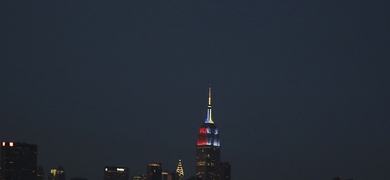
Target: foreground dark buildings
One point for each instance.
(154, 171)
(208, 161)
(116, 173)
(18, 161)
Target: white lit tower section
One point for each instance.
(208, 147)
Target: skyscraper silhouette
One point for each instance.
(154, 171)
(18, 161)
(116, 173)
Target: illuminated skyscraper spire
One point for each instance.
(208, 153)
(180, 171)
(209, 118)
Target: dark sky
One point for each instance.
(300, 88)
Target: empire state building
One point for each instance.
(208, 163)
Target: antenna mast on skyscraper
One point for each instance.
(209, 118)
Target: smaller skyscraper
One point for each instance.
(116, 173)
(40, 173)
(138, 177)
(18, 161)
(180, 171)
(154, 171)
(57, 173)
(167, 175)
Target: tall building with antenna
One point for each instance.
(208, 161)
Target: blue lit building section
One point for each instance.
(208, 118)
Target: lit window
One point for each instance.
(3, 143)
(120, 169)
(11, 144)
(201, 163)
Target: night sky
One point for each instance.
(300, 88)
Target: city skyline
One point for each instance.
(18, 160)
(300, 87)
(208, 137)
